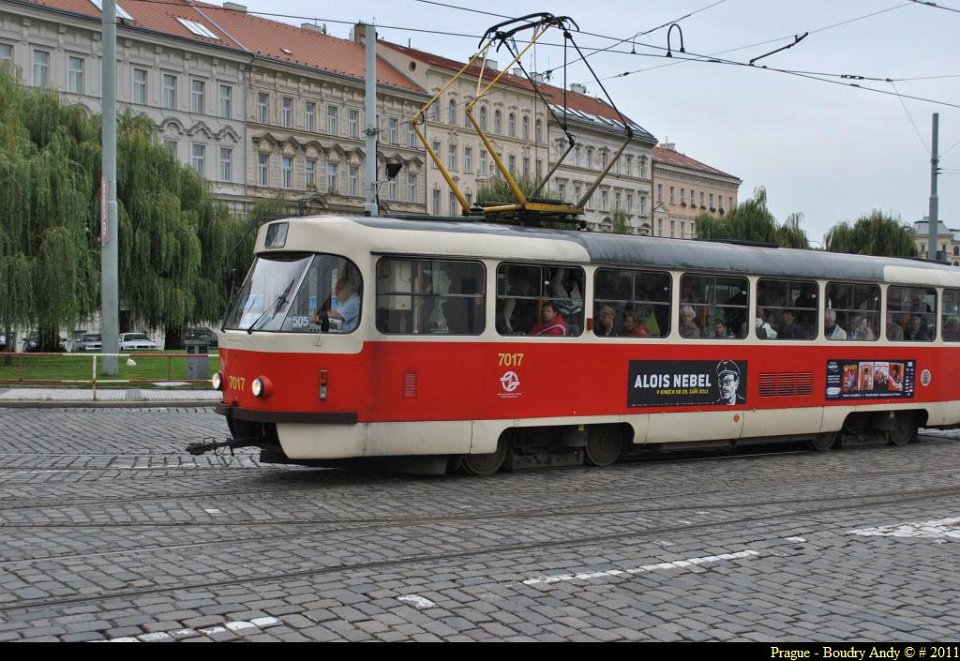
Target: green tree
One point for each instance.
(174, 237)
(874, 234)
(752, 221)
(496, 191)
(48, 251)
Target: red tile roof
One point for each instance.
(671, 157)
(242, 31)
(575, 101)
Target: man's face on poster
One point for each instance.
(729, 382)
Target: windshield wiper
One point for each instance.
(281, 300)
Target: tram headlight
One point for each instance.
(261, 386)
(217, 381)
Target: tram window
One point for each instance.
(429, 296)
(951, 315)
(713, 307)
(789, 307)
(269, 301)
(914, 310)
(856, 309)
(631, 303)
(524, 291)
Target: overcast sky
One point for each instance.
(830, 152)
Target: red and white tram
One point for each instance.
(488, 346)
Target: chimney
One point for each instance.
(235, 6)
(578, 88)
(669, 145)
(359, 34)
(517, 71)
(313, 27)
(490, 65)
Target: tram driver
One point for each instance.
(344, 307)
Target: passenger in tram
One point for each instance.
(917, 331)
(632, 326)
(553, 322)
(792, 329)
(951, 329)
(894, 329)
(605, 318)
(831, 329)
(519, 314)
(859, 330)
(565, 290)
(720, 330)
(688, 327)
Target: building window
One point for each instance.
(75, 66)
(643, 204)
(467, 160)
(286, 111)
(198, 90)
(702, 206)
(512, 125)
(512, 167)
(353, 179)
(171, 147)
(617, 200)
(226, 164)
(333, 119)
(436, 201)
(483, 118)
(683, 197)
(435, 112)
(353, 123)
(169, 91)
(497, 121)
(603, 200)
(263, 107)
(452, 112)
(526, 167)
(538, 131)
(6, 52)
(526, 127)
(332, 177)
(311, 174)
(263, 169)
(226, 101)
(452, 157)
(286, 172)
(393, 189)
(411, 187)
(482, 171)
(454, 205)
(659, 193)
(629, 203)
(140, 86)
(41, 68)
(539, 169)
(394, 131)
(310, 116)
(435, 146)
(199, 152)
(576, 193)
(411, 136)
(711, 202)
(673, 195)
(562, 192)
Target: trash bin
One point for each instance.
(198, 359)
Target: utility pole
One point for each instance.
(370, 207)
(109, 298)
(934, 201)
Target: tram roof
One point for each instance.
(458, 237)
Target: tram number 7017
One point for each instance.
(510, 359)
(237, 382)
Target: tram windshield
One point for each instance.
(298, 293)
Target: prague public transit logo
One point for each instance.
(509, 381)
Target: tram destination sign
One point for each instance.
(870, 379)
(686, 382)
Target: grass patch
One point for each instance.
(76, 370)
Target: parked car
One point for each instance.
(89, 342)
(136, 342)
(32, 342)
(204, 334)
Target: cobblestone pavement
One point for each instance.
(111, 531)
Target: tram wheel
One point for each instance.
(823, 442)
(484, 464)
(904, 430)
(604, 445)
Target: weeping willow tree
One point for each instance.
(49, 157)
(752, 221)
(175, 239)
(874, 234)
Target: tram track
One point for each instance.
(498, 549)
(289, 492)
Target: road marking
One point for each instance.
(936, 529)
(417, 601)
(643, 569)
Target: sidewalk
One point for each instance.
(106, 397)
